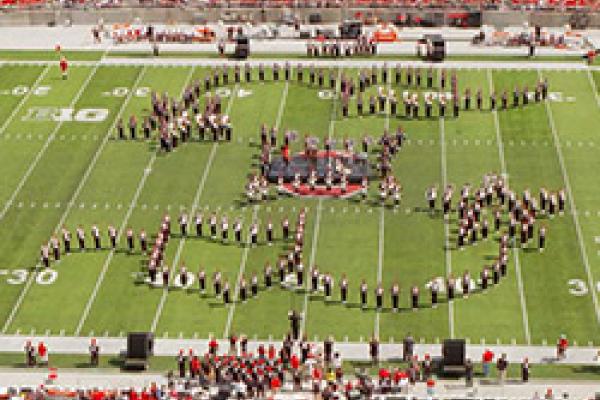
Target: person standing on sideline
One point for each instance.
(502, 366)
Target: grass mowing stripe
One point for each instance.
(573, 213)
(522, 300)
(23, 100)
(42, 151)
(254, 216)
(138, 191)
(71, 202)
(193, 208)
(594, 87)
(317, 225)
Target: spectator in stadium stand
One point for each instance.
(181, 362)
(42, 352)
(29, 354)
(561, 347)
(408, 347)
(213, 346)
(502, 366)
(374, 350)
(487, 359)
(469, 373)
(525, 370)
(94, 353)
(430, 387)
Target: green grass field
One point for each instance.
(75, 173)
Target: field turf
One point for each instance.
(75, 173)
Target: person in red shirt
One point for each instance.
(64, 65)
(487, 359)
(43, 353)
(285, 152)
(561, 347)
(213, 346)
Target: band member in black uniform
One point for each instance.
(398, 75)
(311, 74)
(435, 289)
(327, 284)
(516, 96)
(496, 273)
(467, 99)
(455, 106)
(395, 295)
(165, 276)
(254, 285)
(415, 108)
(428, 106)
(268, 276)
(409, 76)
(479, 99)
(261, 72)
(226, 292)
(202, 281)
(363, 294)
(300, 275)
(407, 107)
(344, 289)
(484, 278)
(236, 75)
(217, 284)
(248, 73)
(379, 297)
(243, 290)
(372, 105)
(414, 294)
(276, 72)
(418, 77)
(442, 105)
(393, 105)
(466, 283)
(294, 318)
(430, 78)
(314, 279)
(450, 287)
(525, 95)
(359, 104)
(492, 101)
(443, 79)
(542, 238)
(287, 71)
(504, 100)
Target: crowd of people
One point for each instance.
(361, 46)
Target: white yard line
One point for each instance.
(244, 259)
(594, 87)
(524, 314)
(447, 252)
(70, 205)
(313, 250)
(574, 213)
(17, 109)
(381, 239)
(45, 147)
(141, 184)
(193, 208)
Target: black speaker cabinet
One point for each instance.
(453, 352)
(140, 345)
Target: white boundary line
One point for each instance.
(447, 252)
(193, 208)
(47, 143)
(381, 239)
(136, 196)
(516, 257)
(25, 98)
(317, 225)
(70, 205)
(244, 259)
(567, 182)
(594, 87)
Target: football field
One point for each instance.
(61, 165)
